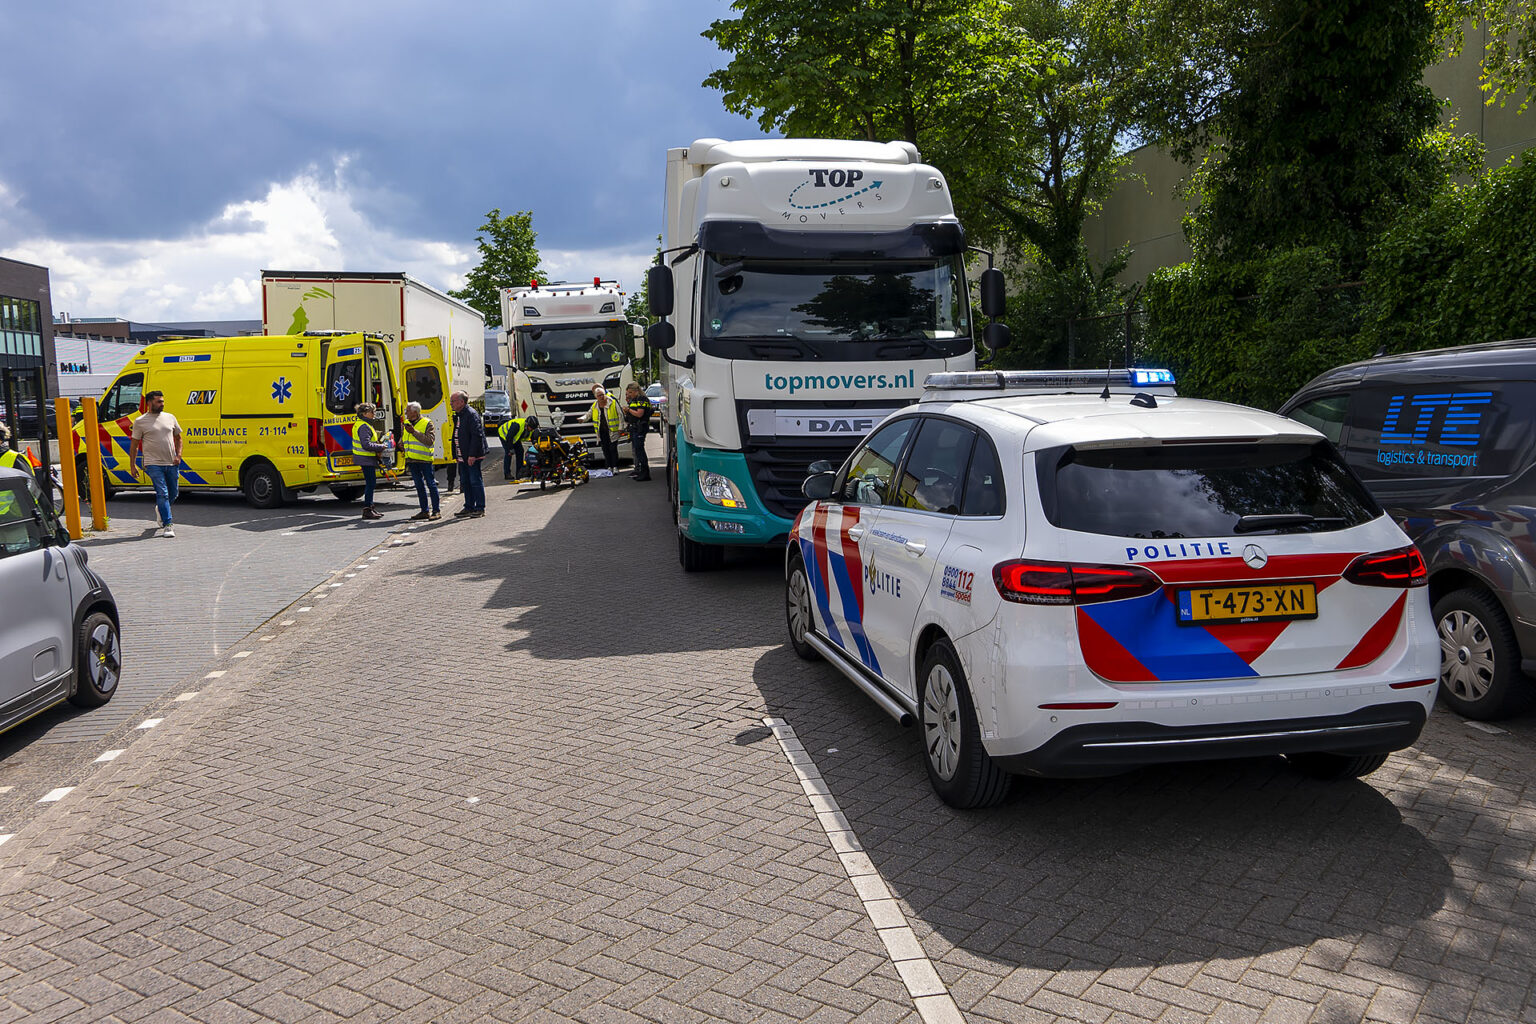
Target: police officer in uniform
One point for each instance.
(513, 433)
(637, 414)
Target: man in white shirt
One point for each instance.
(157, 435)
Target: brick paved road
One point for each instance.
(522, 775)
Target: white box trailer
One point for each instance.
(396, 306)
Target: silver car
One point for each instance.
(58, 622)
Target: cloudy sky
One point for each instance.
(160, 154)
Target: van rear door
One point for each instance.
(424, 375)
(343, 359)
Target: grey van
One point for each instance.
(1446, 441)
(59, 635)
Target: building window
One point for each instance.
(21, 324)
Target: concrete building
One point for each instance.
(26, 320)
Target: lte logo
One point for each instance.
(1461, 411)
(836, 177)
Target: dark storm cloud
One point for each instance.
(144, 120)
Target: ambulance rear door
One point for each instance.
(343, 361)
(424, 374)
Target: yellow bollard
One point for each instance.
(93, 464)
(67, 469)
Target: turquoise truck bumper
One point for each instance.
(705, 523)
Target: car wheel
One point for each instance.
(98, 661)
(83, 480)
(346, 493)
(263, 486)
(797, 609)
(961, 771)
(1322, 765)
(1480, 674)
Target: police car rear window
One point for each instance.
(1202, 490)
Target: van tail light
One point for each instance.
(316, 438)
(1400, 568)
(1032, 582)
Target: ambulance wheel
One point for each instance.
(696, 557)
(1321, 765)
(98, 661)
(959, 768)
(263, 486)
(345, 493)
(797, 609)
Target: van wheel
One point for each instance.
(98, 661)
(83, 480)
(263, 486)
(797, 609)
(696, 557)
(1480, 674)
(962, 773)
(1322, 765)
(346, 493)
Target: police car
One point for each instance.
(1066, 575)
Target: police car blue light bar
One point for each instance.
(1045, 381)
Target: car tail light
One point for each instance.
(1031, 582)
(316, 439)
(1401, 568)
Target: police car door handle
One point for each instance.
(855, 532)
(915, 548)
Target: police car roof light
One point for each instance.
(1025, 382)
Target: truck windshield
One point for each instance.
(859, 302)
(571, 346)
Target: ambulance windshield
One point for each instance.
(561, 347)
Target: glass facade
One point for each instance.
(21, 327)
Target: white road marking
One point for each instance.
(335, 585)
(186, 696)
(216, 674)
(267, 637)
(350, 575)
(55, 795)
(110, 755)
(242, 654)
(149, 723)
(933, 1001)
(472, 800)
(322, 597)
(5, 837)
(290, 535)
(1491, 730)
(6, 789)
(307, 608)
(287, 622)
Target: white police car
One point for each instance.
(1062, 574)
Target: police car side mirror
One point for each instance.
(996, 336)
(993, 298)
(818, 487)
(658, 290)
(661, 336)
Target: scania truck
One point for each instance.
(811, 285)
(558, 341)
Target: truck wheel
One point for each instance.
(98, 661)
(797, 609)
(1322, 765)
(963, 774)
(263, 486)
(346, 493)
(1480, 674)
(696, 557)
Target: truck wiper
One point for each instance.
(1281, 520)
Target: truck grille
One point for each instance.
(778, 472)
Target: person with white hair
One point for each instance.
(418, 440)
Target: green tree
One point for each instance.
(1509, 48)
(509, 256)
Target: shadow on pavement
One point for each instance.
(1172, 864)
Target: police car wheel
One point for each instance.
(98, 661)
(797, 608)
(1321, 765)
(1479, 659)
(961, 771)
(263, 487)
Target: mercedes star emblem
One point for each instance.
(1254, 557)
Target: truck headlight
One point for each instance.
(718, 490)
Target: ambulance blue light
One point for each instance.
(1144, 378)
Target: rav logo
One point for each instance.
(841, 426)
(201, 397)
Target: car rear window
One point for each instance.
(1202, 490)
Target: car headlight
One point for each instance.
(718, 490)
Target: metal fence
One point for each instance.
(1096, 341)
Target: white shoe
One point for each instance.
(168, 532)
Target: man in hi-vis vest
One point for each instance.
(418, 440)
(513, 433)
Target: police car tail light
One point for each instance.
(1033, 582)
(1401, 567)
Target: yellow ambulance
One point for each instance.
(270, 415)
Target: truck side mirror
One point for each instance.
(639, 332)
(996, 336)
(658, 290)
(993, 292)
(661, 336)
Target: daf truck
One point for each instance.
(558, 341)
(807, 287)
(436, 340)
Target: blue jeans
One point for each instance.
(473, 485)
(512, 455)
(164, 479)
(370, 476)
(425, 480)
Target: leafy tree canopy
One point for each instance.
(1508, 28)
(509, 256)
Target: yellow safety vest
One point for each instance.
(513, 431)
(14, 460)
(418, 451)
(612, 415)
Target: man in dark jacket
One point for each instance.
(470, 434)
